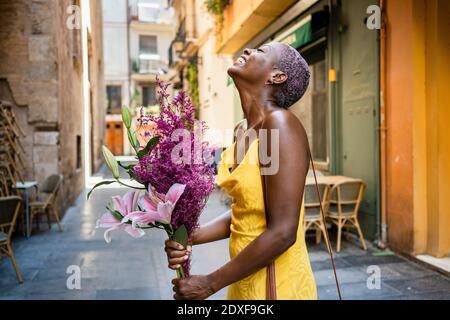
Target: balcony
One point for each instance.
(147, 66)
(145, 12)
(184, 46)
(244, 19)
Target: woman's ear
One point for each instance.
(277, 77)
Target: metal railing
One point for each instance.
(177, 43)
(148, 12)
(150, 65)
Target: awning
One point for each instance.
(299, 37)
(309, 29)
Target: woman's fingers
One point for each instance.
(173, 245)
(178, 261)
(177, 254)
(174, 266)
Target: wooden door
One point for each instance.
(359, 117)
(114, 137)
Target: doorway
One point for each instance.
(114, 137)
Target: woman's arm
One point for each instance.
(283, 198)
(217, 229)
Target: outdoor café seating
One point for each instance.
(46, 202)
(313, 219)
(9, 211)
(345, 198)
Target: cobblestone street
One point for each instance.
(136, 269)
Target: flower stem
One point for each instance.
(170, 232)
(126, 185)
(180, 273)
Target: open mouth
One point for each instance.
(242, 60)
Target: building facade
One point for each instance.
(377, 104)
(416, 52)
(137, 40)
(201, 72)
(340, 110)
(51, 70)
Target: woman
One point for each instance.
(269, 79)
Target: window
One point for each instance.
(313, 108)
(148, 45)
(79, 162)
(114, 96)
(75, 22)
(319, 112)
(149, 95)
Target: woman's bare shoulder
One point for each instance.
(286, 123)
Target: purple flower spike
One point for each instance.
(160, 171)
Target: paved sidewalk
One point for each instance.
(136, 269)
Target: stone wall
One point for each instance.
(98, 103)
(41, 60)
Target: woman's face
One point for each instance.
(255, 65)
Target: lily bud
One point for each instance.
(126, 117)
(111, 162)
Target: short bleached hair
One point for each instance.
(296, 68)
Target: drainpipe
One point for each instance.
(130, 93)
(383, 128)
(333, 49)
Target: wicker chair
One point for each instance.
(345, 200)
(9, 211)
(46, 201)
(313, 218)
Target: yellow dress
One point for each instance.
(293, 274)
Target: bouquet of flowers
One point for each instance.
(174, 173)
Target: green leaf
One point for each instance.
(181, 236)
(153, 142)
(130, 166)
(111, 162)
(135, 140)
(118, 215)
(126, 117)
(128, 169)
(98, 185)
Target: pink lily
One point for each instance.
(157, 207)
(124, 206)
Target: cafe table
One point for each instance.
(25, 186)
(329, 180)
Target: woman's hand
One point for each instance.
(176, 254)
(192, 288)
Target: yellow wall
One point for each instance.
(438, 117)
(418, 104)
(244, 19)
(419, 128)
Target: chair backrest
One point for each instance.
(347, 194)
(318, 174)
(51, 184)
(311, 198)
(9, 210)
(4, 188)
